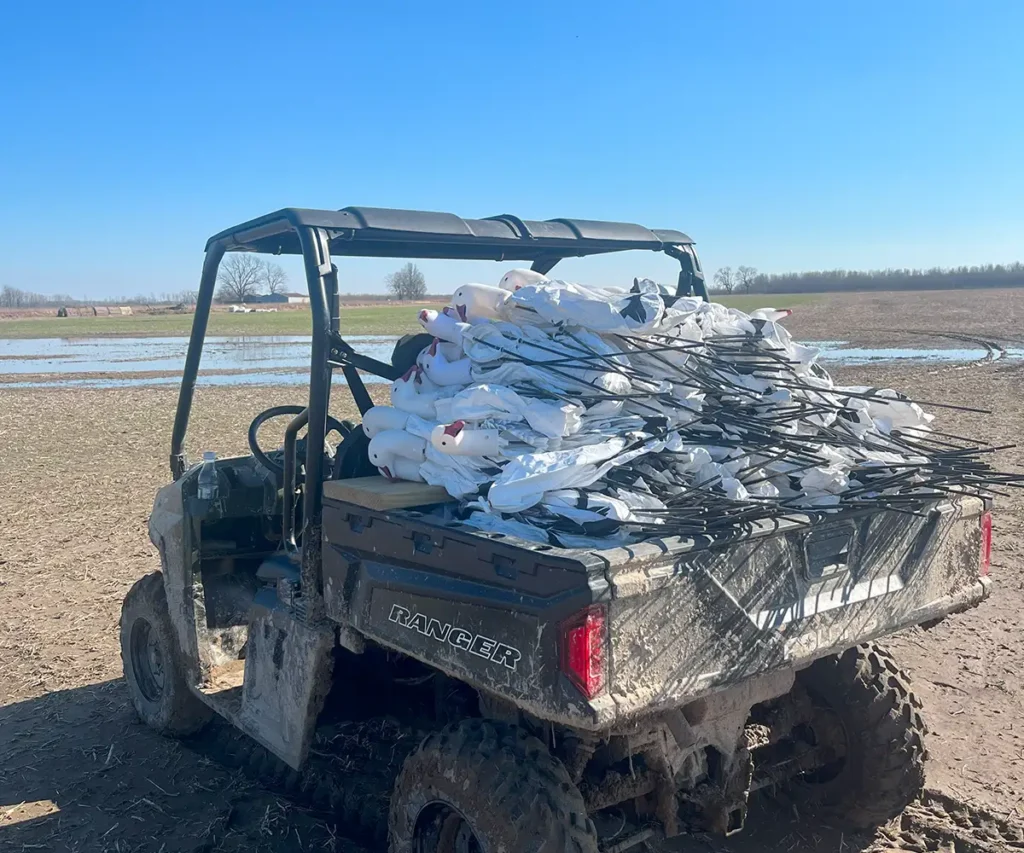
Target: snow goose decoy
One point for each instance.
(380, 418)
(455, 440)
(474, 302)
(443, 324)
(397, 453)
(400, 468)
(514, 279)
(405, 396)
(441, 371)
(771, 315)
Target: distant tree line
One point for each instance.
(748, 280)
(13, 297)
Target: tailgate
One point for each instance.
(705, 619)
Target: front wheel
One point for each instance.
(867, 714)
(152, 663)
(483, 787)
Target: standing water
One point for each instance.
(279, 360)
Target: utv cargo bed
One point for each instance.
(679, 617)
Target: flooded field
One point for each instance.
(109, 362)
(114, 362)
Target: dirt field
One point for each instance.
(907, 318)
(78, 773)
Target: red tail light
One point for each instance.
(583, 641)
(986, 543)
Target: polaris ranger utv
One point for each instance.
(667, 680)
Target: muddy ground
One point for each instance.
(78, 469)
(929, 318)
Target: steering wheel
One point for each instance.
(333, 425)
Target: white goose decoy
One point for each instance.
(416, 394)
(772, 315)
(400, 468)
(443, 324)
(380, 418)
(473, 302)
(449, 351)
(514, 279)
(392, 444)
(441, 371)
(455, 440)
(406, 396)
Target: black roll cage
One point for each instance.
(387, 233)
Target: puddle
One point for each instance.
(279, 360)
(226, 360)
(839, 352)
(211, 379)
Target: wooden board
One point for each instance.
(381, 493)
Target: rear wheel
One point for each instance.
(483, 787)
(867, 715)
(152, 662)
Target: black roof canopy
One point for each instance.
(388, 233)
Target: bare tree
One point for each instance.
(725, 280)
(407, 283)
(239, 277)
(274, 278)
(745, 277)
(13, 297)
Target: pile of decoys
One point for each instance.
(571, 414)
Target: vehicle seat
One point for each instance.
(407, 348)
(351, 457)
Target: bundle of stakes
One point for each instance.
(578, 415)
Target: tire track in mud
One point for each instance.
(995, 347)
(994, 350)
(939, 822)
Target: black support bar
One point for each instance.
(195, 352)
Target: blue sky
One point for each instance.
(786, 136)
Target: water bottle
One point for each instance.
(208, 477)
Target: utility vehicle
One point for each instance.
(666, 680)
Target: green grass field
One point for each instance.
(374, 320)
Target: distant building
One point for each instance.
(283, 298)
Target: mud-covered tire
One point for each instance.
(883, 768)
(153, 668)
(501, 782)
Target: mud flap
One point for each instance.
(287, 677)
